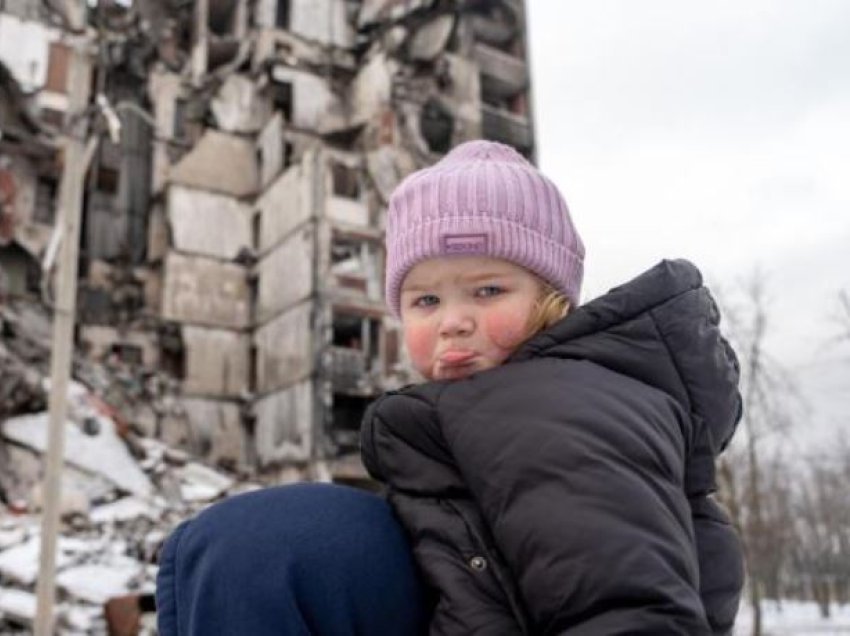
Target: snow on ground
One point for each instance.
(795, 618)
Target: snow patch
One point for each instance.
(123, 510)
(18, 605)
(97, 583)
(103, 453)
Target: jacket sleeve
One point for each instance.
(721, 559)
(403, 448)
(721, 564)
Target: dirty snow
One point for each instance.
(795, 618)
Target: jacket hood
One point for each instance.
(660, 328)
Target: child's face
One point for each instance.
(465, 314)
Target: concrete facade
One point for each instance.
(234, 235)
(205, 291)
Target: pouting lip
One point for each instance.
(457, 357)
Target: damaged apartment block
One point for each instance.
(232, 238)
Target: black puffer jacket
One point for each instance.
(565, 491)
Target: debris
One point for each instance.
(124, 509)
(238, 108)
(11, 535)
(79, 618)
(103, 454)
(384, 171)
(73, 501)
(199, 483)
(17, 605)
(97, 583)
(20, 563)
(431, 38)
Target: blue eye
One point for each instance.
(488, 291)
(428, 300)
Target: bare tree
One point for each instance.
(824, 537)
(793, 513)
(754, 491)
(822, 559)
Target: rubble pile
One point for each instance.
(123, 488)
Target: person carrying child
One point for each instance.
(553, 471)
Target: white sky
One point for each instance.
(715, 131)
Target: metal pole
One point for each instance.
(70, 208)
(200, 52)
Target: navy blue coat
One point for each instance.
(567, 491)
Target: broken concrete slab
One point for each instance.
(200, 483)
(73, 501)
(375, 11)
(80, 619)
(21, 388)
(277, 45)
(502, 125)
(205, 291)
(219, 162)
(100, 341)
(502, 75)
(284, 422)
(175, 430)
(208, 223)
(26, 466)
(291, 261)
(347, 211)
(216, 362)
(271, 151)
(11, 536)
(321, 21)
(18, 606)
(431, 38)
(124, 509)
(464, 93)
(103, 453)
(287, 203)
(98, 582)
(284, 349)
(371, 89)
(393, 39)
(386, 169)
(310, 96)
(20, 563)
(216, 432)
(237, 106)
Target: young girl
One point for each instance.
(553, 473)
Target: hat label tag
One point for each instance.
(465, 243)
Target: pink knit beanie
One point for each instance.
(483, 199)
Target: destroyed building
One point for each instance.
(232, 237)
(231, 327)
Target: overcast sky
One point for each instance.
(716, 131)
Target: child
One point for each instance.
(553, 472)
(551, 475)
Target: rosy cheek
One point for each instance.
(506, 330)
(420, 342)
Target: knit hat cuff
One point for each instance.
(554, 262)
